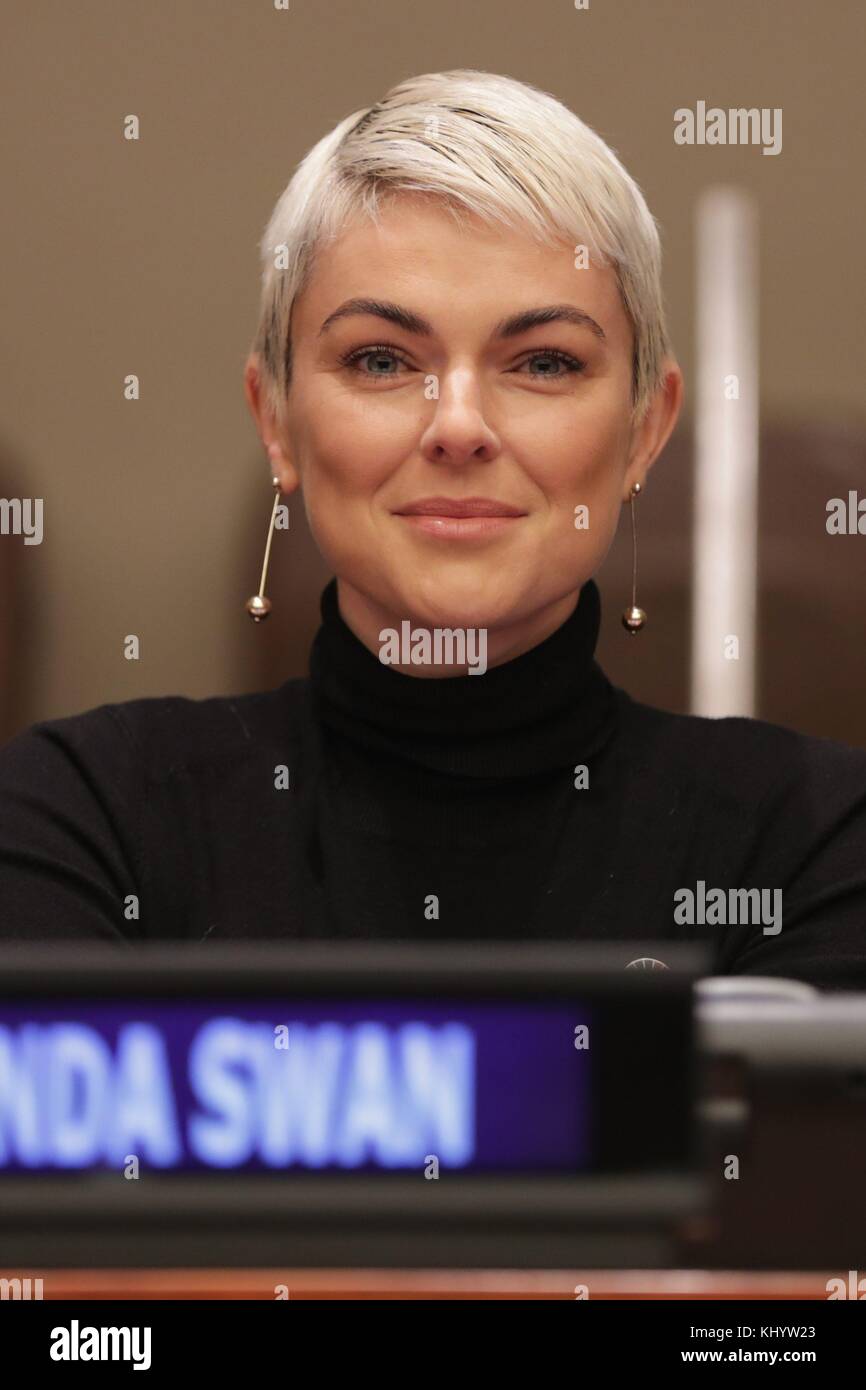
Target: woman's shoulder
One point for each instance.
(753, 759)
(110, 807)
(164, 732)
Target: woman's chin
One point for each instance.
(477, 605)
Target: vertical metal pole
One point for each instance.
(724, 597)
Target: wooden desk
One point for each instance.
(362, 1284)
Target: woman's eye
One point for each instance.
(383, 361)
(552, 361)
(386, 362)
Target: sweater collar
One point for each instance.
(545, 710)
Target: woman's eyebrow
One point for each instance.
(531, 318)
(382, 309)
(510, 327)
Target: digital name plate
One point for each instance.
(280, 1084)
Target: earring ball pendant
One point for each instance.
(633, 619)
(258, 607)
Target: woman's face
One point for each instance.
(433, 394)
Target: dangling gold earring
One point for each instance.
(633, 618)
(258, 606)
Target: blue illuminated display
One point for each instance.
(321, 1086)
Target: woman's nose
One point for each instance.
(458, 430)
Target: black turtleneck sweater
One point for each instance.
(438, 809)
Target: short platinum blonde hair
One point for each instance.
(501, 149)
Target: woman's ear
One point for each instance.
(656, 427)
(280, 464)
(282, 468)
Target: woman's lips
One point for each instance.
(470, 518)
(459, 528)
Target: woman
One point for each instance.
(462, 364)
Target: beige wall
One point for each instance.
(141, 257)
